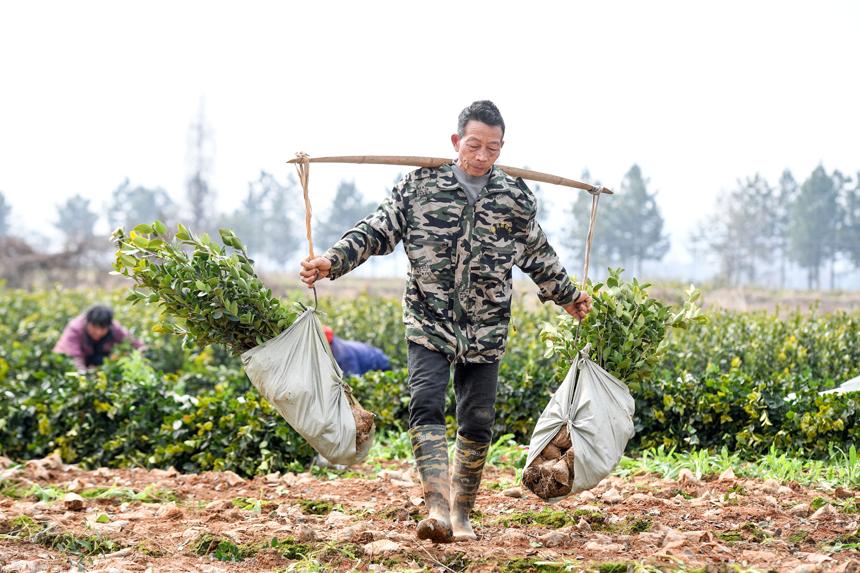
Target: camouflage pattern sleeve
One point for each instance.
(376, 234)
(536, 257)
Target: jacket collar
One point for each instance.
(445, 179)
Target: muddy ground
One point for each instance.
(164, 521)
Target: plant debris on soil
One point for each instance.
(322, 521)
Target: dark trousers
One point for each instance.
(474, 390)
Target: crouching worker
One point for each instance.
(464, 226)
(90, 337)
(355, 358)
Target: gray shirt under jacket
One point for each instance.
(472, 184)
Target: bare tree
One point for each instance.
(200, 195)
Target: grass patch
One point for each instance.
(145, 549)
(389, 446)
(639, 525)
(846, 506)
(842, 468)
(505, 452)
(730, 536)
(755, 533)
(126, 494)
(737, 489)
(251, 504)
(817, 503)
(846, 542)
(22, 527)
(531, 565)
(315, 507)
(53, 493)
(546, 516)
(395, 513)
(334, 473)
(613, 568)
(25, 528)
(49, 493)
(681, 492)
(500, 485)
(87, 545)
(595, 519)
(328, 556)
(13, 489)
(289, 548)
(221, 549)
(798, 537)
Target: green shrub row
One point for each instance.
(723, 383)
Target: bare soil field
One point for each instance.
(163, 521)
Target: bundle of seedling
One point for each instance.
(620, 344)
(208, 293)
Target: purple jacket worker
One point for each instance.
(89, 338)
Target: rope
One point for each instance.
(303, 166)
(595, 199)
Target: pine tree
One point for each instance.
(347, 209)
(265, 221)
(782, 221)
(282, 221)
(76, 221)
(849, 235)
(129, 206)
(814, 217)
(574, 237)
(638, 225)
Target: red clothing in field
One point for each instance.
(85, 351)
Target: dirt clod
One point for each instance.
(550, 474)
(562, 439)
(363, 425)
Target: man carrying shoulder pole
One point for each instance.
(464, 225)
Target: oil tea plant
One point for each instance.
(626, 329)
(723, 383)
(209, 294)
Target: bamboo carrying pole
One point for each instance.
(417, 161)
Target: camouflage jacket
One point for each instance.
(458, 295)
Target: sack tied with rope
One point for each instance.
(298, 375)
(582, 432)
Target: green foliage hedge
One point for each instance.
(718, 384)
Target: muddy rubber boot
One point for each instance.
(469, 461)
(431, 456)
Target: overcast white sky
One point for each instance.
(699, 94)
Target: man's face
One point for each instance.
(97, 332)
(478, 148)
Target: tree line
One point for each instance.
(756, 233)
(759, 228)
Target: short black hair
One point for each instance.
(484, 111)
(100, 315)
